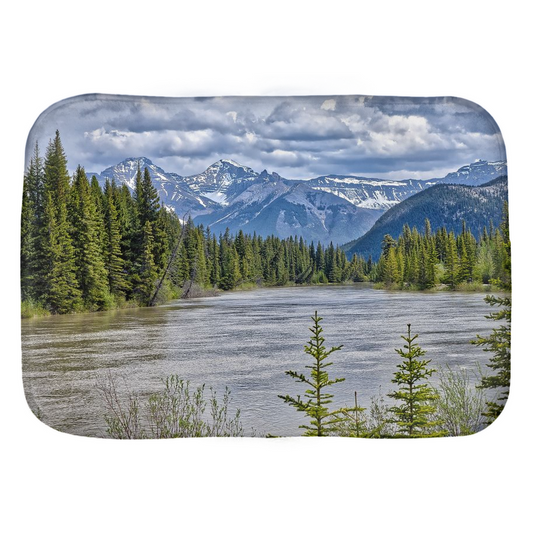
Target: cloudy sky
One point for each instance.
(297, 137)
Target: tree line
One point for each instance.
(423, 260)
(87, 247)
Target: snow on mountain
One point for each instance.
(220, 181)
(444, 205)
(476, 173)
(125, 172)
(369, 193)
(328, 208)
(287, 208)
(173, 192)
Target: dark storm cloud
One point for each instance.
(297, 137)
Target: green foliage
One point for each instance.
(174, 412)
(421, 261)
(458, 404)
(371, 423)
(87, 233)
(414, 410)
(84, 248)
(61, 289)
(499, 341)
(322, 421)
(31, 309)
(114, 260)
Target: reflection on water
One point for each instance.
(246, 341)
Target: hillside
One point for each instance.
(443, 205)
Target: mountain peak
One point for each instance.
(231, 162)
(142, 160)
(476, 173)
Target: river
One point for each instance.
(245, 341)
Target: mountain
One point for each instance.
(443, 205)
(272, 204)
(334, 208)
(173, 190)
(368, 193)
(221, 181)
(476, 173)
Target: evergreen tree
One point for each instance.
(451, 262)
(147, 271)
(115, 264)
(322, 421)
(31, 253)
(86, 232)
(414, 394)
(230, 274)
(148, 198)
(499, 341)
(61, 291)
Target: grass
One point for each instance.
(30, 309)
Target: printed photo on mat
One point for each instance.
(265, 267)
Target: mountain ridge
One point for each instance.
(445, 204)
(331, 208)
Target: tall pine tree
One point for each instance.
(61, 292)
(87, 237)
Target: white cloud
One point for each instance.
(329, 105)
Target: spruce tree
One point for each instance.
(322, 422)
(30, 227)
(115, 265)
(86, 232)
(147, 270)
(61, 292)
(499, 341)
(451, 262)
(413, 413)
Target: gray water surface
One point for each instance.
(245, 341)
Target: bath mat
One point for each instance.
(265, 266)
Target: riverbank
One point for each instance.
(188, 292)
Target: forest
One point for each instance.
(85, 247)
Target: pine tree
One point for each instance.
(322, 421)
(31, 260)
(499, 341)
(87, 239)
(115, 265)
(27, 247)
(61, 292)
(451, 262)
(414, 394)
(147, 270)
(147, 198)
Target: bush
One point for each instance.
(31, 309)
(176, 411)
(459, 405)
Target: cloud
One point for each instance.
(329, 105)
(297, 137)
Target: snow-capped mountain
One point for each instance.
(273, 205)
(368, 192)
(221, 181)
(173, 191)
(476, 173)
(125, 172)
(328, 208)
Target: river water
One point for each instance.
(245, 341)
